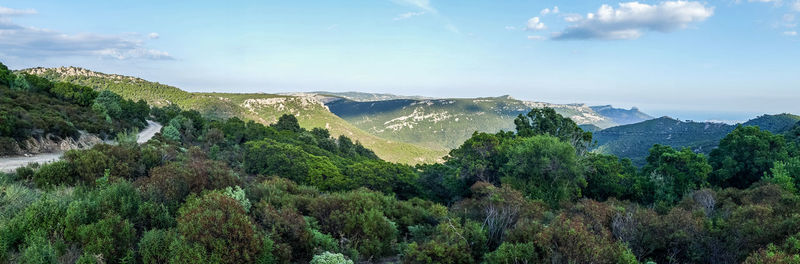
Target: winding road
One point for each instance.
(9, 164)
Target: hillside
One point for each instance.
(622, 116)
(263, 108)
(368, 97)
(446, 123)
(634, 141)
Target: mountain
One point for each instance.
(369, 97)
(634, 141)
(446, 123)
(262, 108)
(622, 116)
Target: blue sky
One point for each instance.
(721, 60)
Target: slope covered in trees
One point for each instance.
(208, 190)
(633, 141)
(36, 111)
(262, 108)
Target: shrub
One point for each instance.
(154, 246)
(111, 237)
(330, 258)
(54, 174)
(509, 253)
(219, 224)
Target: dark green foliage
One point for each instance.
(112, 237)
(287, 122)
(745, 155)
(544, 168)
(219, 224)
(80, 95)
(509, 253)
(155, 244)
(608, 176)
(285, 160)
(453, 242)
(54, 174)
(674, 173)
(5, 74)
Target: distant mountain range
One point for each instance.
(634, 140)
(416, 129)
(445, 123)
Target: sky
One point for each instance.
(727, 60)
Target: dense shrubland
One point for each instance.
(33, 107)
(230, 191)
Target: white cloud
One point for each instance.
(421, 4)
(790, 33)
(511, 28)
(547, 11)
(153, 35)
(408, 15)
(25, 41)
(572, 18)
(796, 6)
(630, 20)
(535, 37)
(5, 11)
(535, 24)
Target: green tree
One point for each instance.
(287, 122)
(543, 167)
(681, 171)
(744, 155)
(608, 176)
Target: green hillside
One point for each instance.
(263, 108)
(633, 141)
(446, 123)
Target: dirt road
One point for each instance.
(9, 164)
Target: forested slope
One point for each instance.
(633, 141)
(37, 115)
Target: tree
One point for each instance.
(608, 176)
(545, 121)
(478, 158)
(543, 167)
(744, 155)
(287, 122)
(108, 104)
(682, 171)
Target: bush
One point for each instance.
(219, 224)
(54, 174)
(330, 258)
(154, 246)
(112, 237)
(514, 254)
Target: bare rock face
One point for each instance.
(51, 143)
